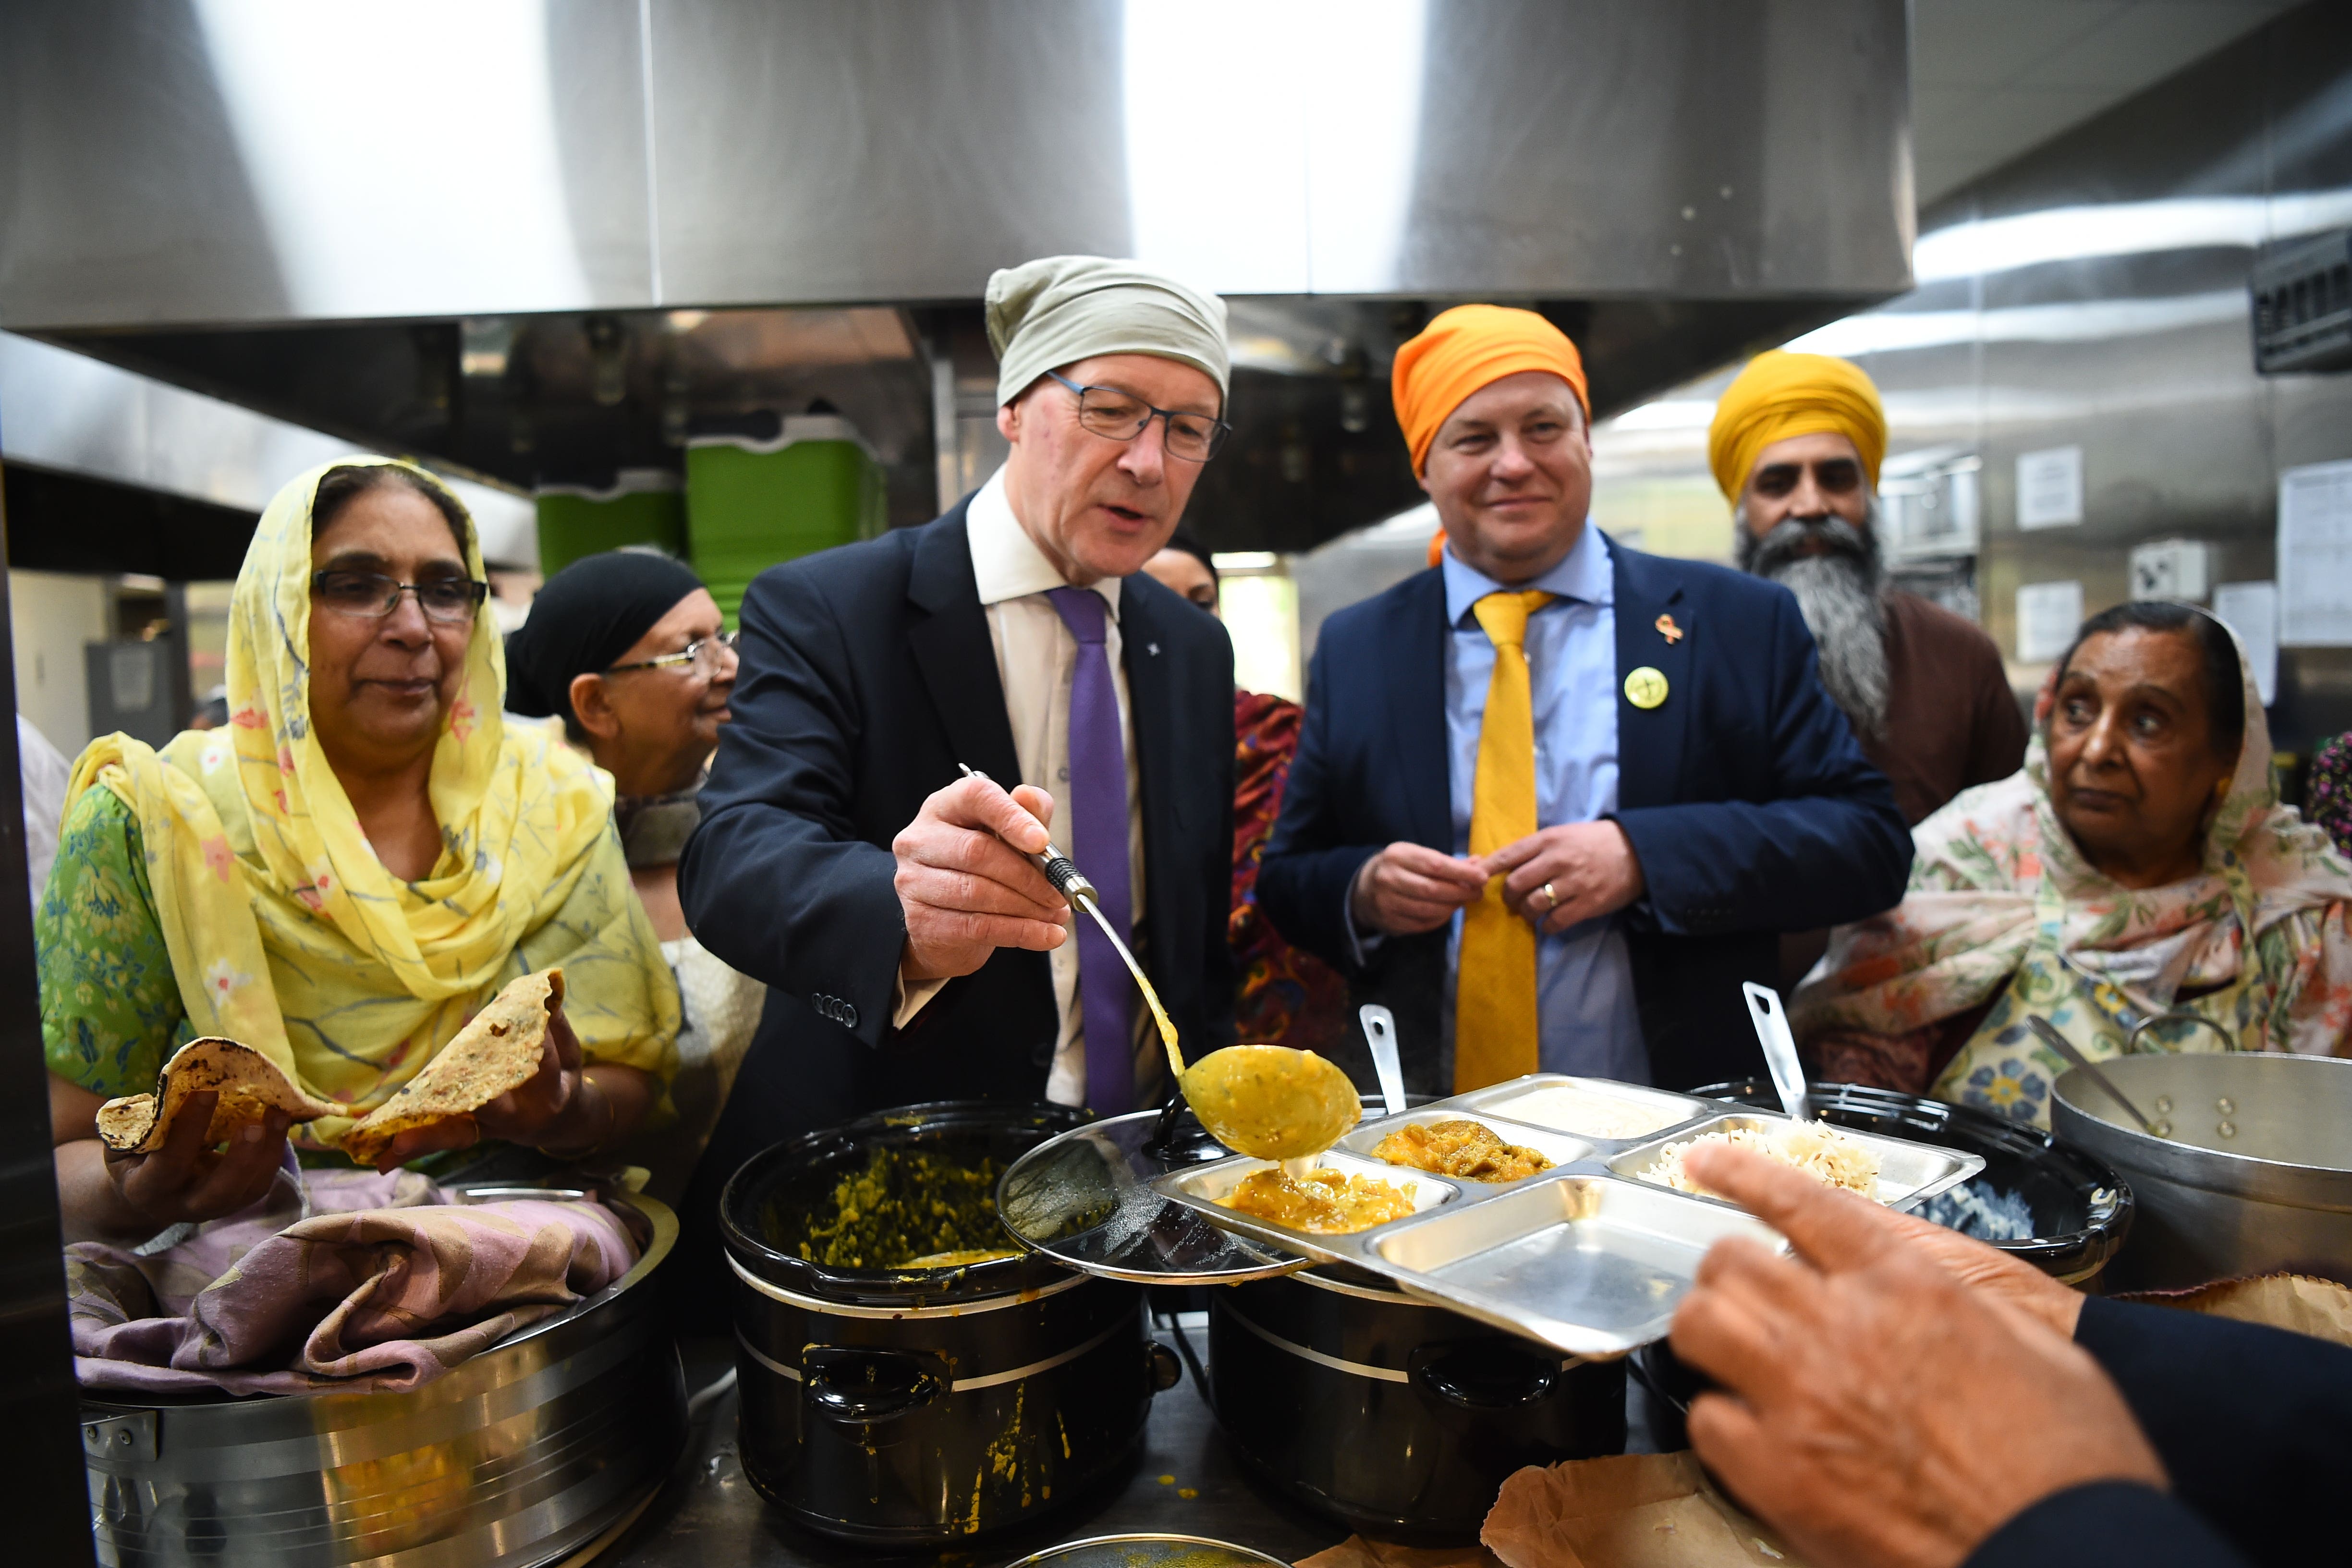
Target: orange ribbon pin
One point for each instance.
(1669, 630)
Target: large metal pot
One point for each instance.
(1396, 1417)
(523, 1456)
(2255, 1177)
(915, 1408)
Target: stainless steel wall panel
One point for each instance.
(812, 152)
(122, 195)
(1677, 146)
(595, 79)
(229, 161)
(2095, 294)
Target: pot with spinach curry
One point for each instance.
(910, 1375)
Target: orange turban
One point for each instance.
(1469, 347)
(1781, 395)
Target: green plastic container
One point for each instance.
(646, 507)
(753, 504)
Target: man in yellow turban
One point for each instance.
(1554, 798)
(1795, 447)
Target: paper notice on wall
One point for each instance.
(2251, 610)
(2315, 555)
(2047, 615)
(2049, 487)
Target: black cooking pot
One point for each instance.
(2082, 1209)
(920, 1406)
(1395, 1417)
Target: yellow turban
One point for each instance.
(1467, 348)
(1781, 395)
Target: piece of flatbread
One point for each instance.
(250, 1087)
(497, 1050)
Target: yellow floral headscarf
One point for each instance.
(284, 930)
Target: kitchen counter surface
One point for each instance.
(1183, 1481)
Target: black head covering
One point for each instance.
(586, 616)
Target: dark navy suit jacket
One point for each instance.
(1744, 794)
(867, 674)
(2253, 1424)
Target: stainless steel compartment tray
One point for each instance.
(1585, 1257)
(1545, 1100)
(1588, 1263)
(1908, 1172)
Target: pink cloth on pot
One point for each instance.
(384, 1288)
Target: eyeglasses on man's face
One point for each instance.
(449, 601)
(1123, 417)
(706, 655)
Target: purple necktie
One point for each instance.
(1097, 806)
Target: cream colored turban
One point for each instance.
(1057, 310)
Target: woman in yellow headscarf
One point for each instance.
(344, 874)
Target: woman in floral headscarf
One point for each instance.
(344, 876)
(2139, 867)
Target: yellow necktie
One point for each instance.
(1495, 1024)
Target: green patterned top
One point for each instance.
(111, 1010)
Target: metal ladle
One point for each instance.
(1268, 1102)
(2050, 1037)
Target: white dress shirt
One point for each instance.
(1036, 663)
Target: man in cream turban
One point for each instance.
(1795, 447)
(1554, 798)
(911, 948)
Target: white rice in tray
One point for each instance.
(1819, 1150)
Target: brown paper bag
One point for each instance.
(1632, 1510)
(2320, 1308)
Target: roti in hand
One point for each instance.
(498, 1050)
(250, 1087)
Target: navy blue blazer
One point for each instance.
(867, 674)
(1745, 795)
(2253, 1424)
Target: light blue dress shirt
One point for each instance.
(1584, 978)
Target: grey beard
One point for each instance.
(1838, 594)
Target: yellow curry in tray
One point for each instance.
(1320, 1203)
(1470, 1150)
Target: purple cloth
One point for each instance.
(382, 1289)
(1107, 994)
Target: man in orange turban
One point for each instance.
(1554, 798)
(1796, 445)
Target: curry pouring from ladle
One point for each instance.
(1268, 1102)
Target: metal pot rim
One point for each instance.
(2286, 1183)
(1051, 1552)
(882, 1288)
(964, 1307)
(489, 1366)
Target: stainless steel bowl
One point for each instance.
(2255, 1176)
(526, 1454)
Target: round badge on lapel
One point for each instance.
(1646, 688)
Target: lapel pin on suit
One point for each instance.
(1669, 630)
(1646, 688)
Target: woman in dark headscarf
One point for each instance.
(628, 649)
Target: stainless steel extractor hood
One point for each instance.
(545, 241)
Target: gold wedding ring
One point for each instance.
(1548, 894)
